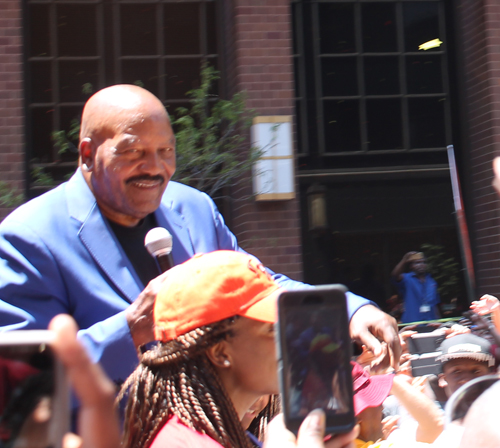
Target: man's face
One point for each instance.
(132, 166)
(419, 266)
(457, 372)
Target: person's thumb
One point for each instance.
(312, 430)
(277, 435)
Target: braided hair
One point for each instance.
(176, 378)
(259, 424)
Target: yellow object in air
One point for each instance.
(434, 43)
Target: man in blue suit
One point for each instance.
(79, 249)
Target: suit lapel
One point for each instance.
(99, 240)
(182, 246)
(107, 253)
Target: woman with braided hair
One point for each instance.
(215, 357)
(214, 322)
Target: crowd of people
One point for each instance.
(193, 349)
(216, 359)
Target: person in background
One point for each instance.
(464, 357)
(481, 428)
(417, 287)
(370, 393)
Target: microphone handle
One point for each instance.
(165, 262)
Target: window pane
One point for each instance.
(336, 28)
(426, 117)
(423, 74)
(339, 76)
(138, 29)
(384, 124)
(73, 75)
(341, 121)
(181, 75)
(381, 75)
(76, 30)
(40, 90)
(379, 27)
(39, 35)
(211, 28)
(40, 129)
(182, 19)
(421, 24)
(69, 114)
(143, 73)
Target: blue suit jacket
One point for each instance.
(58, 255)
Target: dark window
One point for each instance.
(342, 125)
(74, 48)
(381, 75)
(339, 76)
(379, 27)
(384, 124)
(337, 28)
(371, 83)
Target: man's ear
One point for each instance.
(87, 153)
(442, 381)
(218, 355)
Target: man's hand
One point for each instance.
(311, 434)
(408, 255)
(369, 326)
(400, 267)
(140, 313)
(389, 425)
(97, 421)
(485, 305)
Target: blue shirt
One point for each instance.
(417, 294)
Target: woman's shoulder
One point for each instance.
(175, 434)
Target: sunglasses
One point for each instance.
(459, 403)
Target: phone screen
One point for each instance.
(33, 405)
(316, 350)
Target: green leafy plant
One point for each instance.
(212, 147)
(443, 269)
(9, 196)
(66, 142)
(41, 178)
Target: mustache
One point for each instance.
(145, 177)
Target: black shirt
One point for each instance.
(132, 241)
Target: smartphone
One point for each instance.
(314, 350)
(34, 392)
(421, 343)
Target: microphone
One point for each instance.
(158, 242)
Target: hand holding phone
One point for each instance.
(34, 401)
(315, 350)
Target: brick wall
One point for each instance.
(259, 61)
(11, 97)
(480, 31)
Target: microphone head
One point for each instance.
(158, 241)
